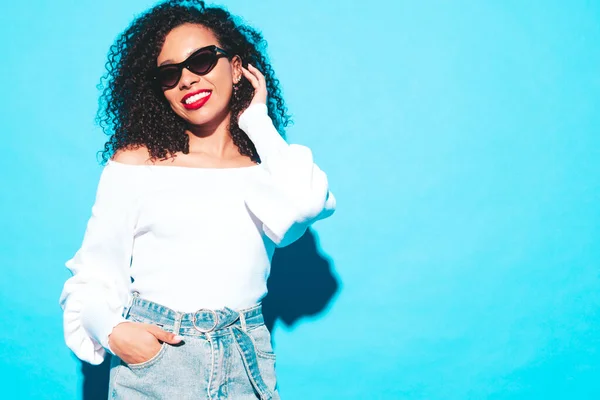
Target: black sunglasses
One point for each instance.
(200, 62)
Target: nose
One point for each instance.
(188, 78)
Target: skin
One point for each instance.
(211, 146)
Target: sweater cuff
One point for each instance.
(99, 319)
(257, 124)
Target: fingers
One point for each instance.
(255, 77)
(256, 71)
(163, 335)
(257, 80)
(253, 80)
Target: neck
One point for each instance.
(213, 138)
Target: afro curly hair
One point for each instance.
(133, 113)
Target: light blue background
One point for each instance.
(461, 140)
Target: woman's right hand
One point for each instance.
(136, 342)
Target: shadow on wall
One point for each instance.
(301, 284)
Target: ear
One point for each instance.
(236, 65)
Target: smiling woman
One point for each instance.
(152, 64)
(199, 189)
(206, 71)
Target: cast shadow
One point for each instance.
(95, 380)
(301, 284)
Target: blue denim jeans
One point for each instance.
(225, 354)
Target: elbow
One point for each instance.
(319, 208)
(319, 202)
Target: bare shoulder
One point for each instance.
(134, 156)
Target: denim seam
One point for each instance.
(259, 352)
(212, 365)
(227, 360)
(113, 389)
(255, 384)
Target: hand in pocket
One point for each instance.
(136, 342)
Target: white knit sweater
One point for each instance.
(189, 238)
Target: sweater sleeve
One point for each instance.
(94, 297)
(291, 192)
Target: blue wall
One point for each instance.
(461, 140)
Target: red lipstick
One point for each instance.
(199, 102)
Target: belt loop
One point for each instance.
(177, 324)
(242, 320)
(129, 304)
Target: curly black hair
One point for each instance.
(133, 113)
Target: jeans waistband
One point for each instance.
(211, 324)
(198, 323)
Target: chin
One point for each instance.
(202, 115)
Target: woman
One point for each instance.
(198, 191)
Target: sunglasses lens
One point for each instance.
(168, 76)
(201, 63)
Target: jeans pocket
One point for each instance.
(153, 360)
(262, 341)
(265, 356)
(156, 357)
(266, 366)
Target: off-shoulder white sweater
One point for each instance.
(189, 238)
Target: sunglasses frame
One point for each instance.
(185, 64)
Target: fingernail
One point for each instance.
(178, 338)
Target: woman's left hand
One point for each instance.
(257, 79)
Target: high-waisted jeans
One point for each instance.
(225, 354)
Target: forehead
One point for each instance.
(183, 40)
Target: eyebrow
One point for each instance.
(169, 61)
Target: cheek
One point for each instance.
(171, 98)
(222, 91)
(227, 92)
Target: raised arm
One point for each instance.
(292, 192)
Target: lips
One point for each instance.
(195, 100)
